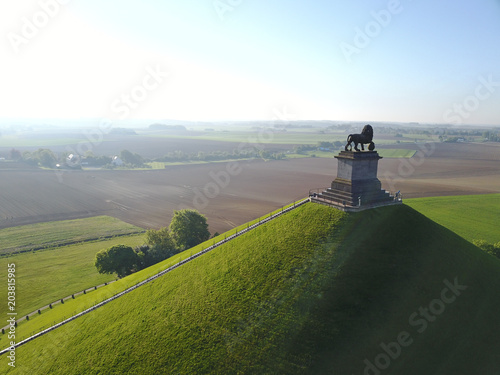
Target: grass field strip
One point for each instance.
(61, 300)
(154, 277)
(69, 243)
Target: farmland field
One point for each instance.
(385, 153)
(56, 233)
(147, 198)
(45, 276)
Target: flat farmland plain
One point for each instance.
(232, 194)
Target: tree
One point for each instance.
(189, 228)
(161, 238)
(159, 246)
(118, 258)
(135, 159)
(15, 154)
(29, 159)
(45, 157)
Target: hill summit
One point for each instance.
(384, 291)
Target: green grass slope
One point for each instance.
(314, 291)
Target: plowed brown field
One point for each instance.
(228, 194)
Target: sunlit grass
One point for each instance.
(474, 217)
(45, 276)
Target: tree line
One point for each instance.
(44, 157)
(188, 228)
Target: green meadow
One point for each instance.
(474, 217)
(45, 276)
(56, 233)
(20, 142)
(385, 153)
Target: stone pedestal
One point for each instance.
(356, 186)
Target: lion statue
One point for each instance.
(366, 136)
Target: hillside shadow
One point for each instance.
(398, 263)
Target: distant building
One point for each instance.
(117, 161)
(73, 161)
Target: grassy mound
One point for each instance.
(315, 291)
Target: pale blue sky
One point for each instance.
(415, 61)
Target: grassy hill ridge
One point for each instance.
(314, 291)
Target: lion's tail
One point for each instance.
(349, 138)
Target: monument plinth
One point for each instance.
(356, 186)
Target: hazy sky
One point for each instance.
(422, 60)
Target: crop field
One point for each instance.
(267, 136)
(153, 145)
(474, 217)
(45, 276)
(57, 233)
(147, 198)
(385, 153)
(396, 153)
